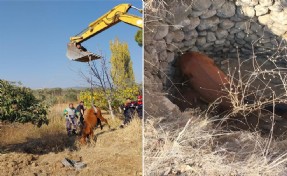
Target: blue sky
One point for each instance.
(34, 36)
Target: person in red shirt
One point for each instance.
(139, 107)
(129, 108)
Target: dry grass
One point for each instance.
(27, 149)
(23, 133)
(200, 149)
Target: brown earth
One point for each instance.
(28, 150)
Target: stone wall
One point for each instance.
(218, 28)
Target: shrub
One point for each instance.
(18, 104)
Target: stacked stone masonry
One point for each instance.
(218, 28)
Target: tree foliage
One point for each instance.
(18, 104)
(52, 96)
(119, 96)
(121, 65)
(138, 37)
(99, 98)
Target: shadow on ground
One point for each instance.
(48, 143)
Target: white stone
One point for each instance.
(248, 11)
(279, 17)
(249, 2)
(265, 19)
(278, 29)
(261, 10)
(277, 7)
(265, 3)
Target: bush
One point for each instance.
(138, 37)
(18, 104)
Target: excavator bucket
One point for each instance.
(75, 54)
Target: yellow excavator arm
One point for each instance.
(117, 14)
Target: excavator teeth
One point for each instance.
(73, 53)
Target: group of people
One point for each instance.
(72, 115)
(75, 116)
(130, 107)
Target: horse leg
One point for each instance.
(83, 138)
(105, 120)
(92, 140)
(86, 130)
(99, 122)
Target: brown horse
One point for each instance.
(205, 77)
(90, 122)
(209, 82)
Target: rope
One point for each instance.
(92, 91)
(140, 10)
(80, 33)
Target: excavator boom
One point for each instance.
(117, 14)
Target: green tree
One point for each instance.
(118, 96)
(121, 65)
(138, 37)
(18, 104)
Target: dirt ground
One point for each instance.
(28, 150)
